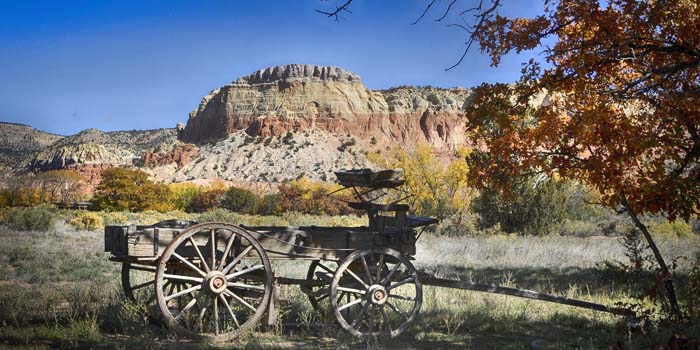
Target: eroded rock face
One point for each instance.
(180, 155)
(296, 97)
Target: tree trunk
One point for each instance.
(668, 283)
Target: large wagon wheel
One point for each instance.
(376, 292)
(319, 275)
(138, 284)
(222, 278)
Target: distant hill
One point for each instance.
(20, 143)
(276, 124)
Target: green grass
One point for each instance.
(58, 289)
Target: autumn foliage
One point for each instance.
(123, 189)
(623, 84)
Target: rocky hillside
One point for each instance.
(19, 142)
(275, 124)
(92, 146)
(273, 101)
(243, 158)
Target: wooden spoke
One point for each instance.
(230, 311)
(352, 290)
(183, 278)
(183, 292)
(239, 300)
(401, 297)
(246, 286)
(237, 259)
(190, 265)
(360, 315)
(244, 271)
(212, 242)
(356, 277)
(199, 254)
(229, 243)
(379, 267)
(385, 317)
(354, 302)
(186, 309)
(216, 311)
(326, 268)
(391, 306)
(401, 283)
(144, 284)
(370, 279)
(388, 277)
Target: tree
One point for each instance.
(130, 189)
(62, 186)
(436, 188)
(623, 84)
(622, 116)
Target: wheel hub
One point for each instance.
(378, 294)
(216, 282)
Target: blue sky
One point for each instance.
(120, 65)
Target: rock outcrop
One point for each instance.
(295, 97)
(180, 155)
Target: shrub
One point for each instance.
(533, 207)
(124, 189)
(219, 215)
(269, 204)
(183, 193)
(241, 201)
(676, 228)
(206, 200)
(39, 218)
(309, 197)
(86, 221)
(115, 218)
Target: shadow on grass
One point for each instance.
(603, 280)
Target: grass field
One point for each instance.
(58, 289)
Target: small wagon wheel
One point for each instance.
(138, 284)
(376, 292)
(222, 278)
(320, 274)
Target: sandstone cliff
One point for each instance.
(273, 101)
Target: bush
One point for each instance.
(676, 228)
(206, 200)
(533, 207)
(269, 204)
(241, 201)
(40, 218)
(114, 218)
(309, 197)
(124, 189)
(183, 193)
(86, 221)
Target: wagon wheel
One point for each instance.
(320, 272)
(221, 278)
(376, 292)
(138, 284)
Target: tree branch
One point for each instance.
(338, 10)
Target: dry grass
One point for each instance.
(59, 289)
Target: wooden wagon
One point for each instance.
(215, 280)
